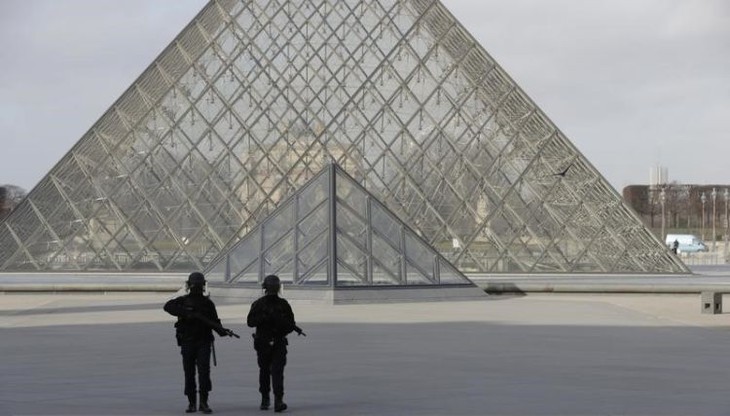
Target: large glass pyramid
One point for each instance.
(254, 97)
(332, 232)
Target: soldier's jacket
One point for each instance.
(273, 319)
(189, 329)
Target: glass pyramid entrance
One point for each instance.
(251, 100)
(333, 233)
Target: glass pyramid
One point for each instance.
(253, 98)
(334, 233)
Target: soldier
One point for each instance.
(274, 320)
(196, 319)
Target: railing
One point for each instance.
(709, 258)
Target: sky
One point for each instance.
(633, 84)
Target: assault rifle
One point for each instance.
(217, 327)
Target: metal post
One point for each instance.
(703, 199)
(227, 272)
(689, 208)
(333, 224)
(726, 194)
(662, 199)
(714, 215)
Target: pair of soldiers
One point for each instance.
(273, 319)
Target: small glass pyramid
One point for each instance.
(334, 233)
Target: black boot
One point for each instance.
(279, 405)
(204, 403)
(191, 404)
(265, 402)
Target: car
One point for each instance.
(687, 243)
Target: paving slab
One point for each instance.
(114, 354)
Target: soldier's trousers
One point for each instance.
(271, 360)
(196, 356)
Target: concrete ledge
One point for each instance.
(718, 281)
(346, 295)
(87, 287)
(419, 294)
(248, 294)
(629, 286)
(90, 282)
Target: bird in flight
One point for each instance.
(565, 171)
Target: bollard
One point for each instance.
(711, 302)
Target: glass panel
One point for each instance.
(246, 252)
(382, 276)
(182, 260)
(353, 257)
(278, 225)
(279, 255)
(352, 226)
(351, 195)
(249, 275)
(218, 273)
(449, 275)
(386, 226)
(313, 194)
(414, 276)
(346, 277)
(417, 253)
(386, 255)
(285, 271)
(314, 225)
(317, 277)
(312, 254)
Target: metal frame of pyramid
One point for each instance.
(253, 98)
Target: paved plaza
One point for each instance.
(114, 354)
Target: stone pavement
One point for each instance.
(578, 354)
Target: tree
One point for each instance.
(10, 197)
